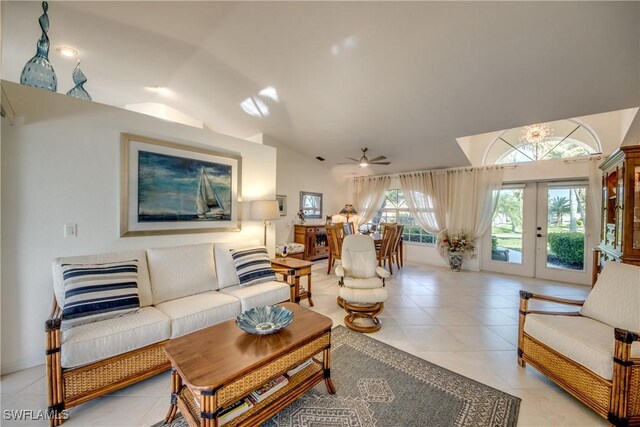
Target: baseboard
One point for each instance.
(8, 368)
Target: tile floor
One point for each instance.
(466, 322)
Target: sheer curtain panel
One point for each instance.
(426, 196)
(368, 196)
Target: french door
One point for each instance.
(539, 230)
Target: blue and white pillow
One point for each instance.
(95, 292)
(252, 265)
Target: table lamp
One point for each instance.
(265, 210)
(348, 211)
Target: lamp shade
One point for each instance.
(348, 210)
(264, 209)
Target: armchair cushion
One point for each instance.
(383, 273)
(340, 271)
(615, 298)
(363, 296)
(370, 283)
(586, 341)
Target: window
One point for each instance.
(395, 209)
(561, 139)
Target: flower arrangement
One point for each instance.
(456, 243)
(301, 216)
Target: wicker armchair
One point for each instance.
(595, 361)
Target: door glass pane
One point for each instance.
(506, 228)
(566, 213)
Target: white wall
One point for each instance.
(297, 172)
(60, 164)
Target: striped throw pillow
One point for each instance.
(252, 265)
(95, 292)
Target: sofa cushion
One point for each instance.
(253, 265)
(181, 271)
(268, 293)
(195, 312)
(225, 268)
(96, 292)
(615, 298)
(582, 339)
(144, 284)
(100, 340)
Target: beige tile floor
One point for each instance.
(465, 322)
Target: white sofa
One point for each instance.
(181, 289)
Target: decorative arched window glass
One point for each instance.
(561, 139)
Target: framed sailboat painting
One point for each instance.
(169, 188)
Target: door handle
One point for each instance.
(539, 235)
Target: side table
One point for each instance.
(301, 268)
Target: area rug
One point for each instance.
(381, 386)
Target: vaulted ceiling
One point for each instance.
(402, 78)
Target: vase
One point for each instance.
(455, 261)
(38, 72)
(78, 91)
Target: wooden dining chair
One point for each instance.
(335, 236)
(395, 250)
(386, 246)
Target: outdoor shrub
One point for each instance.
(568, 247)
(494, 243)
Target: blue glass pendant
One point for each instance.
(38, 72)
(78, 91)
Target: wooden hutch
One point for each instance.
(314, 239)
(620, 228)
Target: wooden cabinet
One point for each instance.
(620, 228)
(314, 239)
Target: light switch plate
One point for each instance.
(70, 230)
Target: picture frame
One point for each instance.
(171, 188)
(311, 204)
(282, 204)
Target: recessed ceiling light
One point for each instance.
(67, 52)
(160, 89)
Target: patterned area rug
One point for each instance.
(380, 386)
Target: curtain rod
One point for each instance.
(463, 168)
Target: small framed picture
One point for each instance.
(282, 205)
(311, 204)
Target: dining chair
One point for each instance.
(395, 250)
(386, 246)
(335, 236)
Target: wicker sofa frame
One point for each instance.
(616, 400)
(69, 387)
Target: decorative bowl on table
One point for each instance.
(264, 320)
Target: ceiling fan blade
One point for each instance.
(379, 163)
(355, 160)
(377, 159)
(347, 163)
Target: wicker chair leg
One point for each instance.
(55, 393)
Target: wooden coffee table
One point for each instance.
(222, 364)
(301, 268)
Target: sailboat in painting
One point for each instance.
(208, 205)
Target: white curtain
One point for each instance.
(426, 196)
(473, 195)
(368, 196)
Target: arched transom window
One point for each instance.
(543, 141)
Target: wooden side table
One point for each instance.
(301, 268)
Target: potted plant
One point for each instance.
(456, 245)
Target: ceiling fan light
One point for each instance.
(363, 164)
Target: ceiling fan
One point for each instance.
(364, 161)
